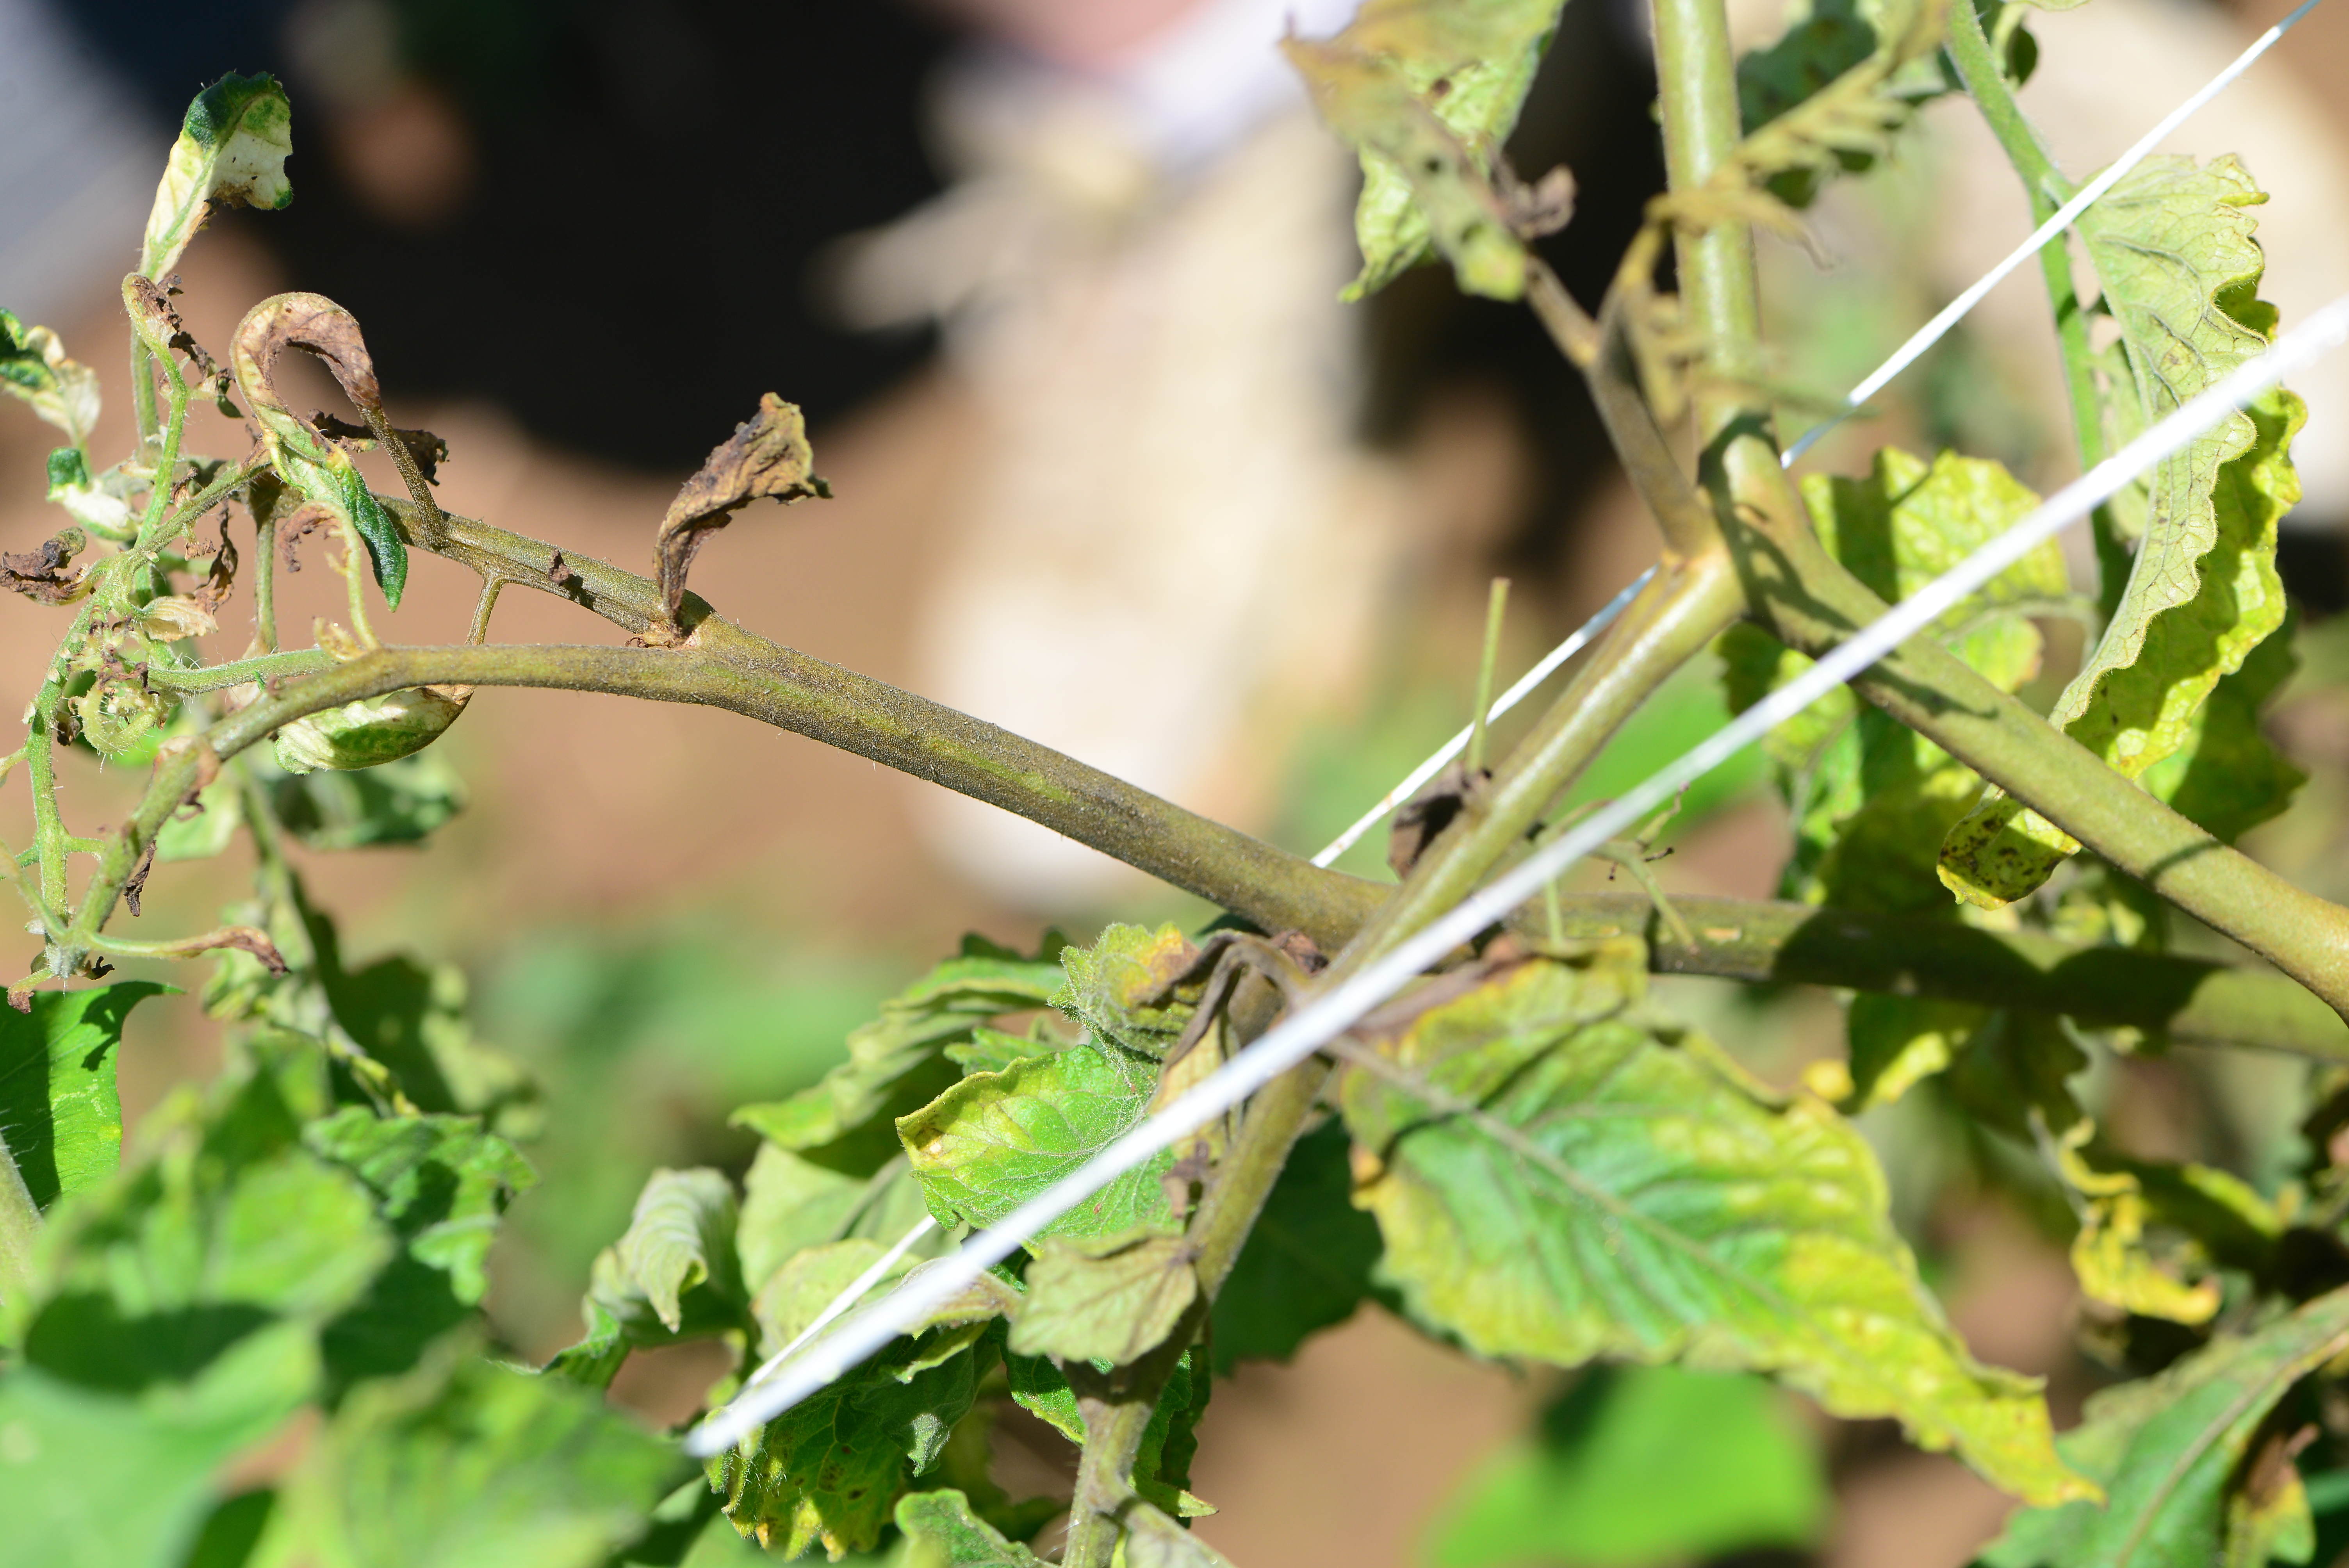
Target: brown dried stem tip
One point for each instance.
(768, 455)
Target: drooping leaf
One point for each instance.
(1112, 1298)
(2228, 776)
(1305, 1265)
(767, 455)
(2169, 1450)
(63, 392)
(1638, 1465)
(94, 1478)
(232, 148)
(682, 1235)
(945, 1534)
(1161, 1465)
(2172, 245)
(1622, 1190)
(996, 1139)
(59, 1115)
(399, 801)
(1412, 82)
(830, 1469)
(1109, 982)
(896, 1064)
(1872, 798)
(462, 1463)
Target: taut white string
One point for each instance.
(1933, 331)
(1501, 705)
(1325, 1018)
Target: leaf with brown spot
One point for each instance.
(40, 574)
(767, 455)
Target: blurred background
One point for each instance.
(1056, 282)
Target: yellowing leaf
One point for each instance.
(34, 367)
(233, 147)
(1427, 91)
(1111, 985)
(2172, 245)
(1619, 1190)
(1112, 1299)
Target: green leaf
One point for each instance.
(996, 1139)
(1427, 91)
(1305, 1267)
(59, 1116)
(1897, 1041)
(463, 1463)
(1112, 1299)
(220, 813)
(411, 1017)
(991, 1051)
(1622, 1190)
(233, 147)
(682, 1235)
(2227, 777)
(896, 1064)
(1107, 983)
(1154, 1541)
(396, 802)
(1161, 1465)
(442, 1181)
(1871, 799)
(945, 1534)
(1639, 1465)
(2169, 1449)
(34, 367)
(60, 1443)
(810, 1282)
(2172, 244)
(373, 732)
(831, 1468)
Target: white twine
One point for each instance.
(1318, 1023)
(1505, 701)
(1934, 330)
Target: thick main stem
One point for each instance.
(1696, 80)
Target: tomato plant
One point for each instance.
(1520, 1150)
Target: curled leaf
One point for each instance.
(767, 455)
(231, 147)
(41, 574)
(175, 617)
(371, 732)
(313, 464)
(34, 367)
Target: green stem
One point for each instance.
(261, 501)
(1494, 607)
(20, 1233)
(261, 667)
(1696, 76)
(143, 408)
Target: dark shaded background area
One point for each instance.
(646, 183)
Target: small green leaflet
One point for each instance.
(1639, 1465)
(1823, 41)
(673, 1275)
(1161, 1465)
(1622, 1190)
(59, 1116)
(1427, 91)
(2172, 243)
(64, 392)
(945, 1535)
(233, 147)
(441, 1180)
(1872, 798)
(996, 1139)
(1108, 981)
(462, 1463)
(2169, 1449)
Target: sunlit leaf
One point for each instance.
(2172, 244)
(1112, 1298)
(1624, 1191)
(232, 148)
(1162, 1466)
(1641, 1465)
(945, 1534)
(2168, 1450)
(1412, 82)
(59, 1115)
(1108, 984)
(64, 392)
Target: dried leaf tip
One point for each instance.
(768, 455)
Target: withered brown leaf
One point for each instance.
(768, 455)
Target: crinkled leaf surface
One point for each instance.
(996, 1139)
(1871, 798)
(945, 1535)
(1109, 984)
(1626, 1193)
(58, 1112)
(830, 1469)
(1413, 80)
(1111, 1299)
(442, 1181)
(1306, 1265)
(231, 147)
(1637, 1465)
(2172, 246)
(466, 1463)
(2167, 1450)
